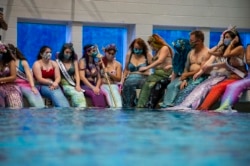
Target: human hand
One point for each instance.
(198, 74)
(55, 85)
(235, 40)
(34, 90)
(184, 76)
(78, 88)
(183, 84)
(96, 90)
(144, 68)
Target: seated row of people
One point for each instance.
(225, 69)
(204, 78)
(192, 76)
(59, 80)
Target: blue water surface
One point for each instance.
(71, 136)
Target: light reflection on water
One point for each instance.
(123, 137)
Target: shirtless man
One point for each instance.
(177, 92)
(196, 58)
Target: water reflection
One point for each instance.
(124, 137)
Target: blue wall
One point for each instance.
(31, 37)
(102, 36)
(171, 35)
(215, 38)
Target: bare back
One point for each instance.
(163, 53)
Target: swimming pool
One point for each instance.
(123, 137)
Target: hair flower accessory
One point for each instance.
(3, 48)
(110, 47)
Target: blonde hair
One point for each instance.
(158, 42)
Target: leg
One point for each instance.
(115, 89)
(144, 94)
(232, 93)
(2, 97)
(194, 99)
(77, 98)
(157, 92)
(56, 96)
(35, 100)
(133, 82)
(172, 91)
(185, 92)
(215, 93)
(14, 97)
(97, 100)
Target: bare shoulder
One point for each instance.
(25, 63)
(164, 51)
(118, 64)
(54, 63)
(149, 55)
(37, 64)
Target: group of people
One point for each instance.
(189, 76)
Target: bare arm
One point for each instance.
(12, 77)
(234, 51)
(149, 57)
(77, 76)
(116, 77)
(28, 73)
(82, 67)
(248, 54)
(164, 52)
(57, 74)
(216, 51)
(38, 74)
(126, 71)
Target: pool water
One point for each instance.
(68, 136)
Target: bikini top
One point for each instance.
(113, 71)
(5, 72)
(71, 70)
(91, 71)
(133, 68)
(48, 74)
(20, 66)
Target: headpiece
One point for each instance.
(232, 29)
(110, 47)
(3, 48)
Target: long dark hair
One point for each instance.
(6, 54)
(16, 52)
(73, 56)
(86, 48)
(233, 34)
(42, 49)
